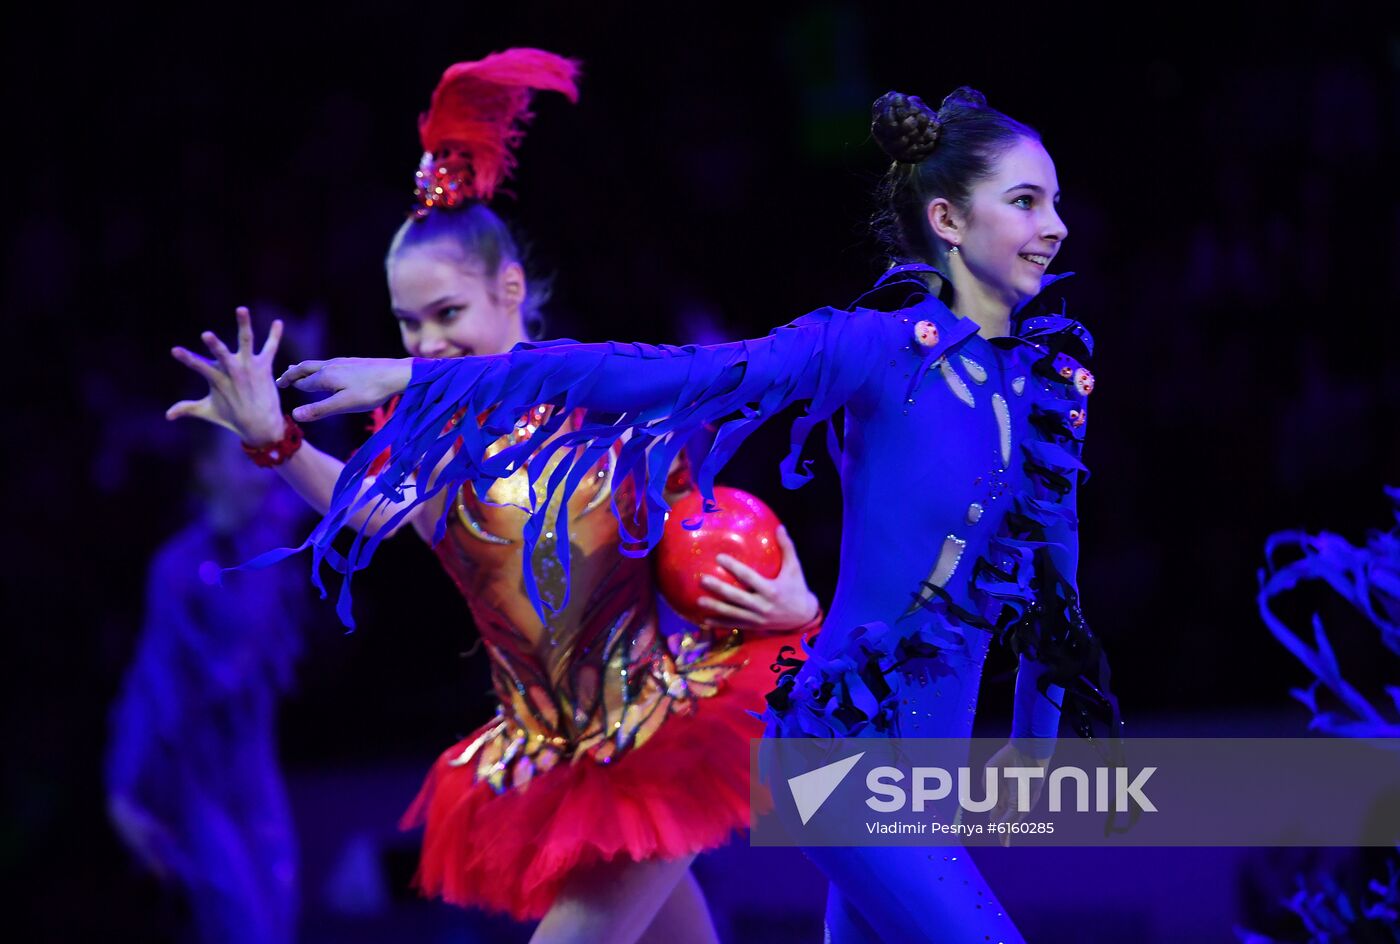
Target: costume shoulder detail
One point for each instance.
(1066, 330)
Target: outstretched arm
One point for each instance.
(607, 376)
(648, 398)
(244, 399)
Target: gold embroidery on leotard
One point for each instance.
(597, 677)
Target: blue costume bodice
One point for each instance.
(928, 468)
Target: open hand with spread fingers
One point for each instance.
(242, 394)
(762, 604)
(355, 384)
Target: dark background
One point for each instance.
(1231, 194)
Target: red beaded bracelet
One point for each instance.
(276, 453)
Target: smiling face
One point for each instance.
(1011, 228)
(448, 308)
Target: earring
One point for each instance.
(953, 249)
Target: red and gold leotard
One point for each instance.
(611, 738)
(594, 678)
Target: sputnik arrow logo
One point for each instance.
(810, 790)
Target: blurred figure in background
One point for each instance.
(193, 784)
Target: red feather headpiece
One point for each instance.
(477, 118)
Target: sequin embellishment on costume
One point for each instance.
(955, 383)
(976, 371)
(942, 572)
(593, 679)
(1003, 415)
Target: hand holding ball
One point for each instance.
(743, 527)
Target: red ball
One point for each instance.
(743, 527)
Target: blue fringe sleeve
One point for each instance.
(661, 395)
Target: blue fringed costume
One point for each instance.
(959, 468)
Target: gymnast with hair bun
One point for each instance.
(965, 395)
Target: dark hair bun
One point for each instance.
(904, 126)
(964, 98)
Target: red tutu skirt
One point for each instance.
(684, 790)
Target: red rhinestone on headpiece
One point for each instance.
(441, 181)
